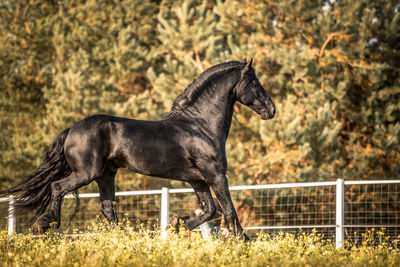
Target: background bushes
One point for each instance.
(332, 68)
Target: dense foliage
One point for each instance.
(332, 68)
(114, 247)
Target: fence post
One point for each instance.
(11, 215)
(164, 211)
(339, 212)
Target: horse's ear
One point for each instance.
(248, 65)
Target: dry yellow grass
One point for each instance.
(130, 246)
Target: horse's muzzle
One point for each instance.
(269, 113)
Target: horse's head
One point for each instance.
(250, 92)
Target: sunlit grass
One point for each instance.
(102, 245)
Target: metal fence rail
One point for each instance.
(339, 209)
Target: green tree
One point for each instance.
(332, 68)
(25, 56)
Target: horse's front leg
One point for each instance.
(214, 173)
(203, 192)
(221, 190)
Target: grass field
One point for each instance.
(129, 246)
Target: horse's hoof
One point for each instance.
(43, 223)
(177, 222)
(245, 238)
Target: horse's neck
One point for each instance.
(214, 107)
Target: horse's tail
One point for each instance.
(35, 190)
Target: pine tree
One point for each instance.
(102, 53)
(332, 68)
(25, 54)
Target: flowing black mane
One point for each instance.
(204, 80)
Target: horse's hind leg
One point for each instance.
(107, 195)
(59, 189)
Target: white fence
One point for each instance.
(339, 208)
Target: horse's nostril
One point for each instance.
(272, 110)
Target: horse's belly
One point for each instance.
(165, 168)
(151, 148)
(154, 161)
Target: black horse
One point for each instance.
(187, 144)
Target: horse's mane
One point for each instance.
(194, 89)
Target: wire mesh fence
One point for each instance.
(139, 208)
(4, 214)
(264, 208)
(296, 206)
(372, 206)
